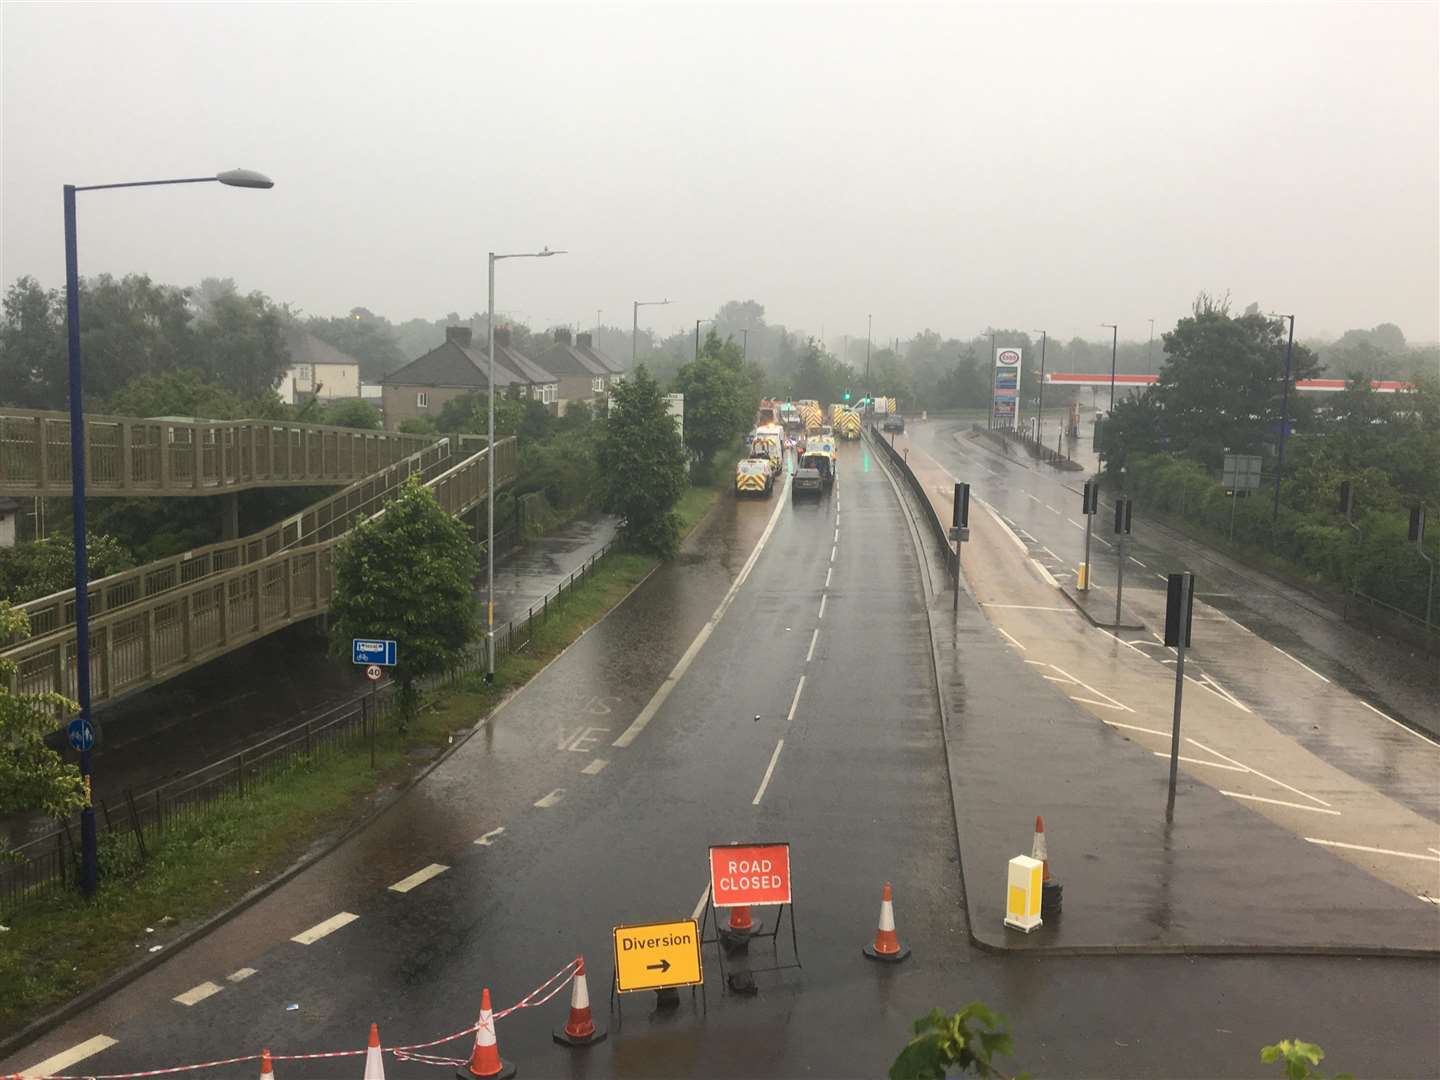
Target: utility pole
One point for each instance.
(1040, 405)
(635, 322)
(990, 420)
(1284, 420)
(697, 339)
(1114, 346)
(1150, 349)
(868, 325)
(745, 339)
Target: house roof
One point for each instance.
(566, 359)
(452, 365)
(305, 348)
(518, 361)
(611, 367)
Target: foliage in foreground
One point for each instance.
(1299, 1059)
(642, 462)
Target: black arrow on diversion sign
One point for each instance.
(662, 966)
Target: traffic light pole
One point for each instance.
(1089, 521)
(1119, 576)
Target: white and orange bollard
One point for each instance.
(580, 1029)
(267, 1070)
(485, 1060)
(1022, 893)
(374, 1057)
(886, 946)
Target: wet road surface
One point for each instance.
(586, 803)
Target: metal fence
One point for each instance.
(932, 519)
(1007, 439)
(134, 822)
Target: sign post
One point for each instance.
(1241, 473)
(959, 530)
(1005, 404)
(1179, 606)
(1090, 504)
(1122, 530)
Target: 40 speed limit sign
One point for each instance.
(743, 874)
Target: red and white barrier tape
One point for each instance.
(542, 994)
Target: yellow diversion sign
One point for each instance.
(653, 956)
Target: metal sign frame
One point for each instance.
(386, 656)
(1241, 472)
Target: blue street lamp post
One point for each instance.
(89, 863)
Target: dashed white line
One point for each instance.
(240, 975)
(322, 929)
(197, 994)
(832, 554)
(837, 536)
(814, 637)
(420, 876)
(823, 598)
(63, 1060)
(770, 769)
(489, 837)
(795, 701)
(1161, 576)
(1302, 663)
(1005, 528)
(1101, 539)
(828, 571)
(1279, 802)
(1010, 638)
(1398, 724)
(545, 802)
(595, 766)
(1373, 850)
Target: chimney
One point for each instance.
(460, 335)
(562, 335)
(582, 340)
(502, 337)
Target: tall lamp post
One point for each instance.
(244, 178)
(1114, 346)
(543, 253)
(697, 335)
(1040, 405)
(990, 420)
(635, 322)
(745, 338)
(1284, 419)
(868, 323)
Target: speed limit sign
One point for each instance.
(373, 672)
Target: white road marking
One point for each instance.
(823, 598)
(320, 930)
(1027, 495)
(1045, 575)
(545, 802)
(1280, 802)
(1004, 528)
(1228, 696)
(1133, 727)
(769, 771)
(1374, 850)
(814, 637)
(1047, 551)
(828, 571)
(1435, 850)
(1102, 704)
(700, 904)
(1038, 663)
(595, 766)
(1029, 607)
(1398, 724)
(420, 876)
(837, 536)
(1087, 686)
(795, 701)
(1161, 576)
(1051, 509)
(1101, 539)
(1077, 525)
(489, 837)
(1117, 637)
(1256, 772)
(1302, 663)
(239, 975)
(1010, 638)
(197, 994)
(1138, 563)
(631, 733)
(63, 1060)
(1428, 899)
(1198, 761)
(1056, 678)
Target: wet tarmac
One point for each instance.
(588, 802)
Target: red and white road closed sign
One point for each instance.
(743, 874)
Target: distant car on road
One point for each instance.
(806, 481)
(893, 423)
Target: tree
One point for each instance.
(33, 371)
(350, 413)
(191, 392)
(31, 570)
(240, 342)
(641, 460)
(469, 414)
(719, 399)
(365, 336)
(129, 327)
(406, 575)
(32, 776)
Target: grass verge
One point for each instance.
(59, 946)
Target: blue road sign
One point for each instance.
(82, 735)
(373, 651)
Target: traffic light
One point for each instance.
(847, 396)
(1122, 515)
(1090, 498)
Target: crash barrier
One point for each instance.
(128, 455)
(51, 862)
(1006, 439)
(483, 1029)
(161, 636)
(932, 519)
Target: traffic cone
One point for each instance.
(1051, 891)
(485, 1058)
(581, 1029)
(374, 1062)
(887, 946)
(741, 928)
(267, 1071)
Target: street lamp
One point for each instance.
(635, 322)
(990, 420)
(745, 338)
(1284, 418)
(697, 335)
(245, 178)
(543, 253)
(868, 323)
(1040, 405)
(1114, 344)
(1150, 349)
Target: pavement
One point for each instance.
(775, 682)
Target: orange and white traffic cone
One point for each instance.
(267, 1070)
(741, 928)
(1051, 891)
(887, 945)
(485, 1058)
(581, 1029)
(374, 1060)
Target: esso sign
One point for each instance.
(1007, 357)
(742, 874)
(374, 672)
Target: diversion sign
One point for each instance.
(654, 956)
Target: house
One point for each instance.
(583, 374)
(317, 369)
(423, 387)
(617, 371)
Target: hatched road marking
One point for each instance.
(1373, 850)
(1279, 802)
(1302, 663)
(1398, 724)
(420, 876)
(323, 929)
(63, 1060)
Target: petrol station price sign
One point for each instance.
(744, 874)
(656, 956)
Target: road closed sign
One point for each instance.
(742, 874)
(654, 956)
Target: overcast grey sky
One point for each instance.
(944, 167)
